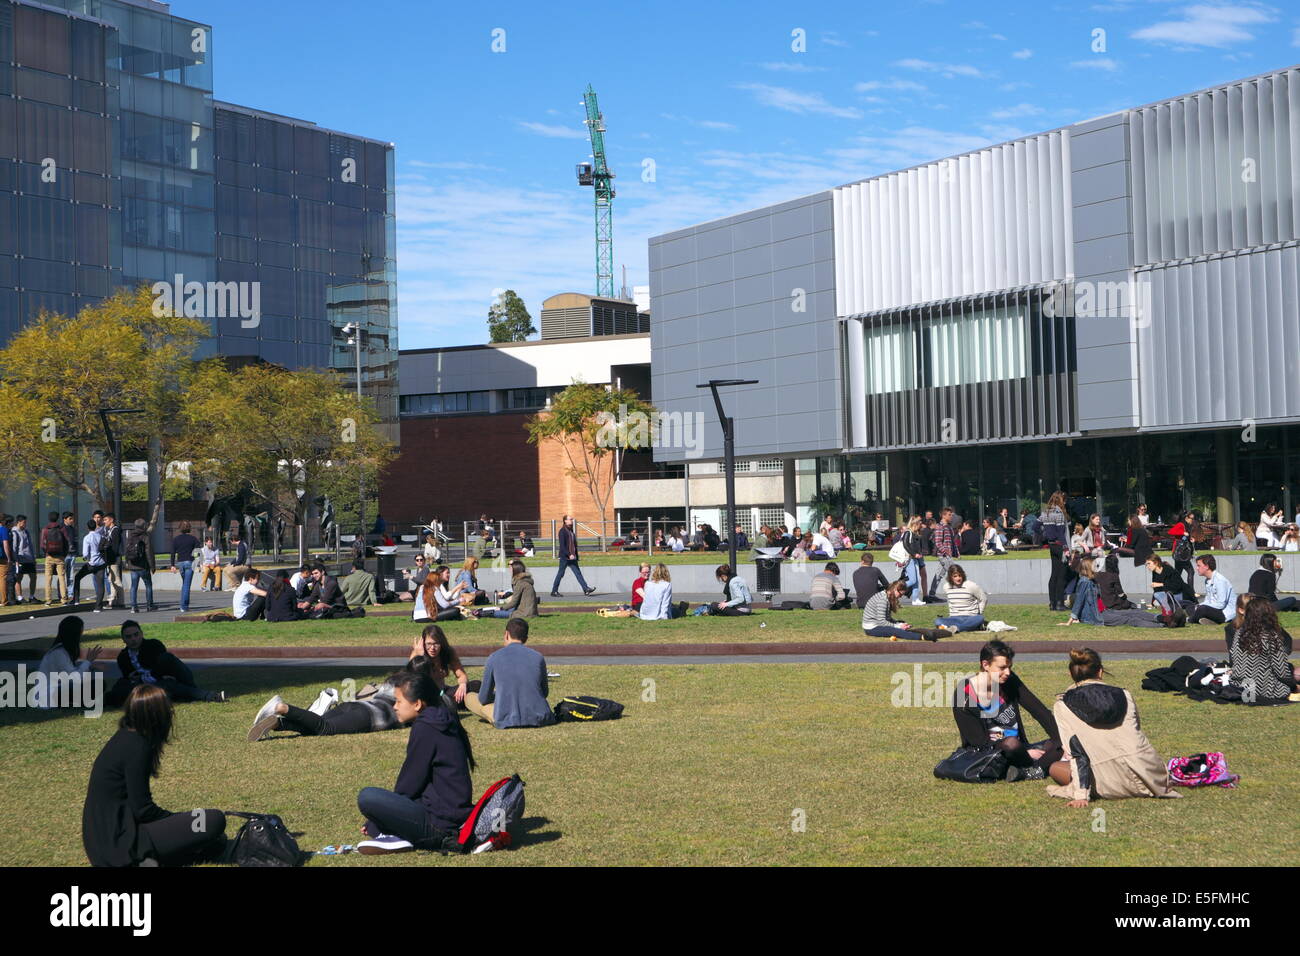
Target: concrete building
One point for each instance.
(1108, 308)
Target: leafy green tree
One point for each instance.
(508, 319)
(595, 425)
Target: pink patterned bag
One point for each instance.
(1201, 770)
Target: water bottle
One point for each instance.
(1010, 731)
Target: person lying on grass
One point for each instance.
(1085, 608)
(966, 603)
(434, 794)
(878, 617)
(1106, 754)
(986, 708)
(374, 710)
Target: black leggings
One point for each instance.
(96, 574)
(1017, 753)
(1203, 613)
(735, 611)
(1186, 566)
(184, 838)
(1056, 582)
(349, 718)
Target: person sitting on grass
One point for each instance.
(867, 580)
(325, 600)
(523, 596)
(1258, 656)
(1106, 754)
(513, 690)
(282, 600)
(359, 586)
(147, 661)
(658, 603)
(249, 600)
(966, 603)
(878, 617)
(432, 645)
(467, 583)
(64, 659)
(1109, 588)
(1168, 588)
(1085, 609)
(434, 794)
(987, 709)
(1220, 603)
(1264, 583)
(826, 592)
(735, 593)
(438, 599)
(120, 823)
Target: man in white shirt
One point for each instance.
(249, 603)
(823, 544)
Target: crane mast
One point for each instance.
(597, 175)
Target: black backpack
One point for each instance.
(587, 708)
(1183, 548)
(140, 553)
(53, 543)
(264, 841)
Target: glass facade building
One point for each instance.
(118, 168)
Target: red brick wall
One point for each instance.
(460, 466)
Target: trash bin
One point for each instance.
(386, 572)
(769, 574)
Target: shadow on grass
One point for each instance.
(525, 832)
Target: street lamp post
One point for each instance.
(353, 329)
(729, 455)
(115, 447)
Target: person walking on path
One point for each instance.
(568, 545)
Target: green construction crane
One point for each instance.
(598, 175)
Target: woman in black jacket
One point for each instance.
(120, 823)
(1056, 536)
(1263, 583)
(433, 795)
(987, 711)
(1137, 543)
(1168, 588)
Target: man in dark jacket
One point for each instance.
(147, 661)
(568, 547)
(326, 598)
(113, 549)
(141, 563)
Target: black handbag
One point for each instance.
(973, 765)
(264, 841)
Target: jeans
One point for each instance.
(1284, 604)
(962, 622)
(913, 572)
(565, 564)
(944, 563)
(898, 632)
(136, 577)
(186, 569)
(497, 612)
(396, 815)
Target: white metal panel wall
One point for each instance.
(1216, 170)
(994, 219)
(1223, 344)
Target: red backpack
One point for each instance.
(487, 827)
(53, 543)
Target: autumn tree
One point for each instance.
(285, 437)
(59, 372)
(508, 319)
(595, 425)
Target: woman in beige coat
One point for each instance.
(1107, 756)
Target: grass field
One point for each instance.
(769, 627)
(717, 769)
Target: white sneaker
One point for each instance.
(268, 708)
(918, 602)
(384, 843)
(326, 699)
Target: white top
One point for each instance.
(1291, 545)
(244, 596)
(56, 661)
(658, 599)
(295, 580)
(1144, 519)
(210, 555)
(432, 552)
(881, 525)
(822, 543)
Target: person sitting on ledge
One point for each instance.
(966, 603)
(878, 617)
(986, 708)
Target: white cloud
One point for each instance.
(946, 69)
(1096, 63)
(1023, 54)
(1015, 85)
(1001, 132)
(1295, 37)
(1207, 25)
(792, 101)
(903, 85)
(1020, 109)
(782, 66)
(831, 38)
(557, 132)
(996, 36)
(456, 164)
(703, 124)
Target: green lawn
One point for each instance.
(1034, 623)
(714, 771)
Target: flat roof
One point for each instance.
(528, 344)
(295, 121)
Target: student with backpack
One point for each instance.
(434, 794)
(120, 823)
(112, 548)
(1106, 755)
(1184, 547)
(54, 545)
(24, 565)
(140, 562)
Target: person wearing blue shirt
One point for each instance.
(1220, 604)
(514, 688)
(93, 565)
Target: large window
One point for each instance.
(441, 403)
(518, 398)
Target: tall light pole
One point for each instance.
(729, 454)
(353, 329)
(115, 448)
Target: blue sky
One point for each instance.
(731, 115)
